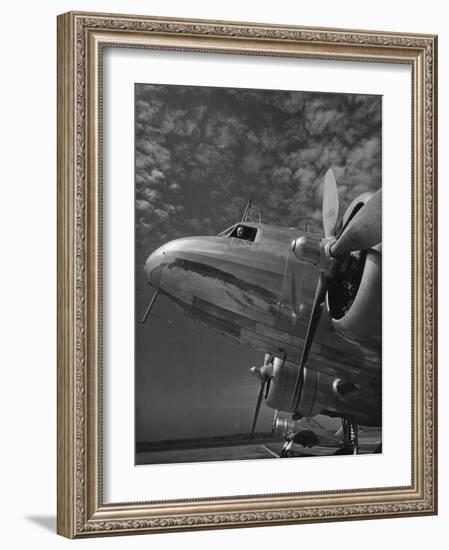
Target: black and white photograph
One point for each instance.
(258, 270)
(247, 284)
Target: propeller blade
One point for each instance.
(150, 305)
(273, 427)
(267, 359)
(267, 389)
(364, 230)
(330, 204)
(257, 409)
(317, 308)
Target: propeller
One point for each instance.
(363, 231)
(317, 308)
(265, 373)
(330, 219)
(330, 204)
(275, 419)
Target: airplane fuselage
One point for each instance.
(257, 292)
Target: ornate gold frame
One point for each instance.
(81, 37)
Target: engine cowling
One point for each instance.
(281, 390)
(322, 394)
(354, 298)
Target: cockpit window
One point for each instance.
(227, 232)
(244, 232)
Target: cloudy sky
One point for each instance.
(200, 153)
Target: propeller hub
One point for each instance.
(313, 249)
(327, 244)
(255, 371)
(307, 248)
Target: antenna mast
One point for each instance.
(247, 209)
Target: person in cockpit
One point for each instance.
(242, 232)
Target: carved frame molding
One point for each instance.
(81, 37)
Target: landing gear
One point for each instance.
(350, 438)
(286, 451)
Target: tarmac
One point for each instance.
(368, 444)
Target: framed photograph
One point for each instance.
(246, 274)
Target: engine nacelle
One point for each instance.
(282, 385)
(321, 394)
(355, 206)
(354, 298)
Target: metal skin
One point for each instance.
(260, 294)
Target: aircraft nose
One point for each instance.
(153, 267)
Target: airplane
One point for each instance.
(267, 287)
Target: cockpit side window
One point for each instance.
(244, 232)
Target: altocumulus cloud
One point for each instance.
(201, 151)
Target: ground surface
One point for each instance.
(368, 444)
